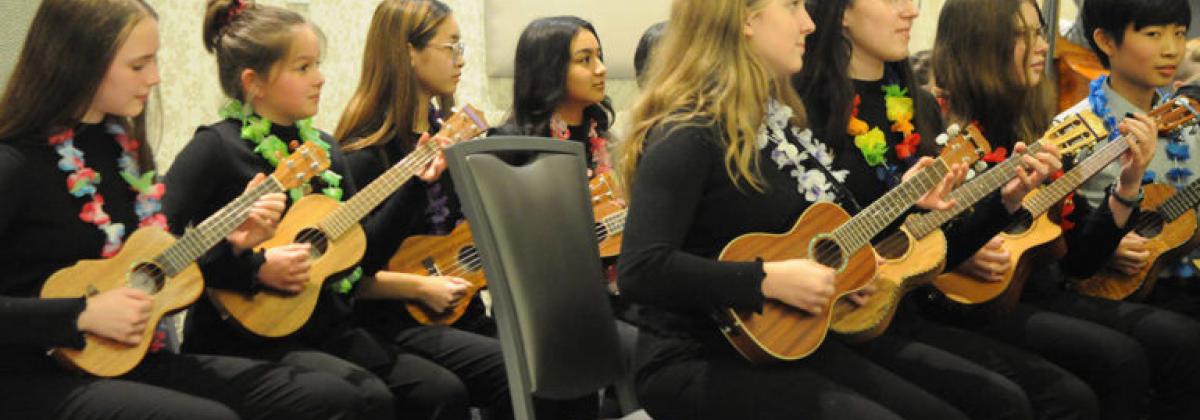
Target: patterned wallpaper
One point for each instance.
(189, 95)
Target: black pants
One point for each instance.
(1043, 390)
(170, 386)
(1112, 363)
(683, 379)
(440, 372)
(981, 376)
(1171, 342)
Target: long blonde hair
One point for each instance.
(706, 69)
(385, 102)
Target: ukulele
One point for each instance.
(338, 241)
(455, 254)
(157, 263)
(916, 252)
(1030, 238)
(1168, 222)
(829, 236)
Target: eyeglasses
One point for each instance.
(459, 49)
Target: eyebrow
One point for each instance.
(587, 51)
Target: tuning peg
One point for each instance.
(953, 130)
(980, 165)
(942, 139)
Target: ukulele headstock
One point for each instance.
(306, 162)
(1181, 111)
(466, 124)
(965, 146)
(1075, 133)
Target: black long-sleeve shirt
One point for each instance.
(208, 173)
(967, 232)
(43, 233)
(683, 210)
(403, 214)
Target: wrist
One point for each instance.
(1128, 196)
(768, 285)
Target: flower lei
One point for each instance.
(257, 130)
(596, 143)
(812, 183)
(1178, 152)
(82, 181)
(873, 142)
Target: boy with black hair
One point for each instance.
(1141, 42)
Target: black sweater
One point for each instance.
(966, 233)
(208, 173)
(683, 210)
(43, 233)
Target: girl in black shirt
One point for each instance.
(66, 142)
(701, 160)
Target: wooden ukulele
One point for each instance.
(1168, 222)
(153, 261)
(338, 241)
(916, 252)
(455, 254)
(828, 235)
(1030, 239)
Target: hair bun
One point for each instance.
(217, 19)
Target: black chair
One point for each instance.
(531, 217)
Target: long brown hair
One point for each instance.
(386, 100)
(706, 69)
(973, 63)
(69, 48)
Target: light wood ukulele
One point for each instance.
(154, 262)
(828, 235)
(455, 254)
(338, 241)
(1031, 238)
(916, 253)
(1168, 222)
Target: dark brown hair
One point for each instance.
(973, 61)
(245, 35)
(67, 52)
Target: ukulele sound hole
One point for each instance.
(828, 252)
(469, 259)
(1150, 224)
(1021, 223)
(601, 232)
(894, 246)
(316, 238)
(147, 277)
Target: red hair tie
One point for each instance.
(236, 10)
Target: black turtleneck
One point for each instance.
(208, 173)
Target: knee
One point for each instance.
(1120, 355)
(1008, 399)
(442, 388)
(1073, 395)
(323, 396)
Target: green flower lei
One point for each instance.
(257, 130)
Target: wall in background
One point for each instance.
(190, 96)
